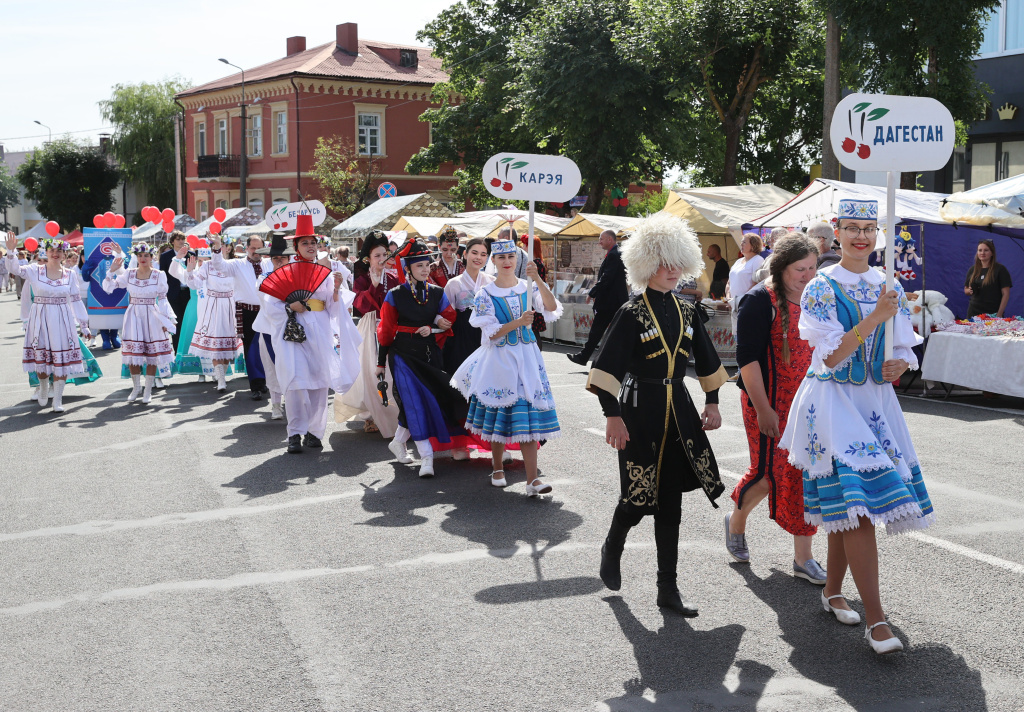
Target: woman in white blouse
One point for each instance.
(741, 274)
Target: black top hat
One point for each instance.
(279, 246)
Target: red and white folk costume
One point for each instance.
(51, 346)
(216, 334)
(148, 323)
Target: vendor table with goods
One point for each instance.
(981, 353)
(719, 328)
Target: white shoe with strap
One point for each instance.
(842, 615)
(537, 488)
(498, 482)
(883, 647)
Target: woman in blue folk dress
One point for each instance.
(846, 430)
(504, 380)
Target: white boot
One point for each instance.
(44, 387)
(397, 445)
(58, 395)
(276, 413)
(159, 383)
(221, 372)
(426, 458)
(136, 387)
(147, 394)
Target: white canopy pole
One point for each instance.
(890, 252)
(529, 258)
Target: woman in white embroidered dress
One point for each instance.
(51, 346)
(461, 292)
(216, 334)
(846, 430)
(145, 340)
(504, 380)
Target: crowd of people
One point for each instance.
(439, 347)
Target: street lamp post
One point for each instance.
(242, 199)
(50, 139)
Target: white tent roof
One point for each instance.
(1000, 204)
(234, 216)
(713, 210)
(593, 224)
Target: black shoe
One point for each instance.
(257, 395)
(294, 444)
(264, 390)
(669, 598)
(312, 441)
(579, 359)
(610, 572)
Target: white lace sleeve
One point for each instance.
(483, 316)
(819, 323)
(904, 336)
(538, 305)
(115, 280)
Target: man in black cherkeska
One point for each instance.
(651, 420)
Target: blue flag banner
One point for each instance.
(99, 254)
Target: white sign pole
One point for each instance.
(890, 253)
(529, 258)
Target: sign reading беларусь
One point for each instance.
(282, 216)
(879, 132)
(528, 176)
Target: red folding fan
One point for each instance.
(295, 282)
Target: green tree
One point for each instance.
(8, 194)
(474, 117)
(69, 182)
(143, 142)
(577, 89)
(346, 179)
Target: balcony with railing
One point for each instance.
(219, 166)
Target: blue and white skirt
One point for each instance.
(834, 502)
(516, 423)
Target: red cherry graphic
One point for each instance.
(277, 226)
(507, 187)
(864, 151)
(849, 145)
(495, 182)
(284, 224)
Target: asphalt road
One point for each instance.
(173, 557)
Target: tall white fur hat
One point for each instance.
(661, 239)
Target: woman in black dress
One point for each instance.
(988, 282)
(461, 291)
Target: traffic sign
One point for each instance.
(387, 190)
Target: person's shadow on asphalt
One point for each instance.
(924, 677)
(685, 668)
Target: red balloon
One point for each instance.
(97, 220)
(192, 241)
(52, 229)
(168, 226)
(168, 214)
(215, 228)
(119, 221)
(31, 244)
(145, 213)
(108, 219)
(219, 214)
(201, 243)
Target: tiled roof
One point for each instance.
(328, 61)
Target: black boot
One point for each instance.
(668, 597)
(312, 441)
(611, 552)
(579, 358)
(294, 444)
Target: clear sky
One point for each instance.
(58, 58)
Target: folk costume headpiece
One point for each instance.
(143, 248)
(304, 227)
(661, 239)
(375, 239)
(415, 251)
(858, 209)
(278, 246)
(503, 247)
(54, 244)
(449, 235)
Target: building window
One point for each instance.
(222, 204)
(202, 209)
(959, 164)
(1012, 161)
(369, 135)
(222, 136)
(1004, 33)
(201, 138)
(256, 148)
(281, 132)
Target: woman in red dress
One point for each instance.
(773, 360)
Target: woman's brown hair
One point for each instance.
(755, 242)
(976, 269)
(792, 248)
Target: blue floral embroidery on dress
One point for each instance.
(819, 301)
(815, 450)
(864, 292)
(544, 393)
(878, 428)
(904, 302)
(498, 392)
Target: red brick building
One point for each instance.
(369, 92)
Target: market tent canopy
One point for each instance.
(818, 203)
(37, 231)
(544, 226)
(418, 226)
(235, 216)
(1000, 204)
(592, 225)
(383, 214)
(149, 232)
(715, 210)
(75, 239)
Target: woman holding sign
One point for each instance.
(846, 431)
(148, 320)
(52, 346)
